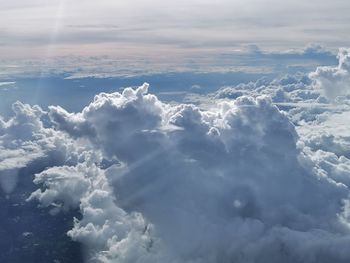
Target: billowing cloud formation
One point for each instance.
(156, 182)
(334, 81)
(25, 141)
(16, 143)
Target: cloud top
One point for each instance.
(156, 182)
(334, 81)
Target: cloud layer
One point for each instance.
(241, 181)
(143, 27)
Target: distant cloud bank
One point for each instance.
(245, 58)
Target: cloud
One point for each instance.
(175, 183)
(286, 89)
(61, 27)
(261, 173)
(5, 84)
(25, 141)
(17, 149)
(310, 53)
(238, 59)
(334, 81)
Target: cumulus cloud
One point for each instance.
(25, 141)
(17, 148)
(156, 182)
(334, 81)
(237, 181)
(286, 89)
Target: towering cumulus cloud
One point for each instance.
(335, 81)
(158, 183)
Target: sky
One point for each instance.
(153, 131)
(142, 37)
(144, 29)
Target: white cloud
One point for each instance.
(334, 81)
(181, 184)
(156, 182)
(7, 83)
(24, 141)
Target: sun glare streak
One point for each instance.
(50, 49)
